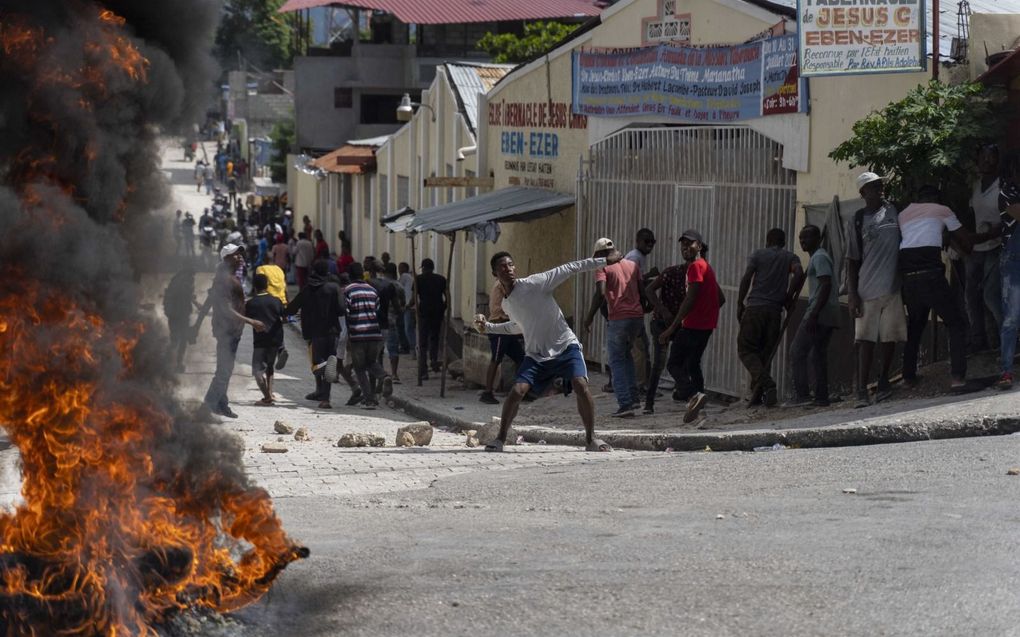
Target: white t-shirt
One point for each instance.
(985, 204)
(637, 257)
(921, 225)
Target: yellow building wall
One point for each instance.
(302, 193)
(998, 32)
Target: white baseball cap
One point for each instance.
(228, 250)
(864, 179)
(603, 244)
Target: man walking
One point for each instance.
(269, 310)
(693, 325)
(321, 305)
(924, 281)
(873, 285)
(553, 350)
(276, 285)
(226, 299)
(771, 284)
(432, 302)
(811, 342)
(365, 336)
(304, 255)
(407, 323)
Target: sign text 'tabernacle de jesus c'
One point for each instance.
(842, 37)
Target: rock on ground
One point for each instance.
(301, 435)
(489, 432)
(361, 440)
(405, 440)
(283, 428)
(421, 433)
(274, 447)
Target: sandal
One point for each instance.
(262, 402)
(598, 445)
(496, 446)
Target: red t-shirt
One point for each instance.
(705, 313)
(622, 295)
(342, 262)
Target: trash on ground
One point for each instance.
(775, 447)
(850, 491)
(1015, 471)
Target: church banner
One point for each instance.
(848, 37)
(709, 85)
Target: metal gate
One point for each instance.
(726, 182)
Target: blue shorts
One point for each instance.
(392, 338)
(568, 366)
(510, 345)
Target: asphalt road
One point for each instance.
(927, 546)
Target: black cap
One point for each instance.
(694, 235)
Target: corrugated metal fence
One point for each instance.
(726, 182)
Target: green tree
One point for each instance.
(929, 137)
(284, 137)
(539, 38)
(258, 31)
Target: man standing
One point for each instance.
(553, 350)
(188, 234)
(644, 243)
(269, 310)
(820, 319)
(500, 345)
(873, 285)
(669, 288)
(389, 300)
(226, 299)
(774, 278)
(321, 305)
(304, 255)
(432, 302)
(693, 325)
(365, 336)
(276, 285)
(178, 299)
(984, 288)
(924, 281)
(621, 288)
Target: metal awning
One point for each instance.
(460, 11)
(516, 203)
(349, 159)
(398, 220)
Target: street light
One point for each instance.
(406, 109)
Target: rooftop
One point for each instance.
(468, 80)
(461, 11)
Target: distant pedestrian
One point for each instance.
(178, 231)
(925, 287)
(644, 243)
(670, 287)
(209, 177)
(873, 285)
(983, 287)
(304, 255)
(276, 285)
(365, 336)
(770, 285)
(188, 234)
(551, 347)
(432, 300)
(408, 340)
(394, 318)
(321, 247)
(267, 309)
(693, 325)
(345, 258)
(178, 300)
(810, 348)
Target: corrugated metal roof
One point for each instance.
(948, 28)
(468, 80)
(516, 203)
(352, 160)
(461, 11)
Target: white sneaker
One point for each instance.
(330, 373)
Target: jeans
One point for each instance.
(760, 330)
(684, 362)
(1009, 269)
(322, 347)
(428, 340)
(226, 352)
(984, 293)
(622, 334)
(923, 292)
(365, 359)
(409, 329)
(813, 345)
(659, 354)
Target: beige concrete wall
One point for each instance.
(996, 31)
(302, 193)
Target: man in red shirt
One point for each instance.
(622, 288)
(693, 325)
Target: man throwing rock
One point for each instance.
(552, 349)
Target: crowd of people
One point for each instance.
(358, 318)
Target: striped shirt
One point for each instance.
(362, 308)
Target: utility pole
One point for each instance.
(935, 39)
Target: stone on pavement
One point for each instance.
(490, 432)
(273, 447)
(301, 435)
(472, 441)
(420, 432)
(282, 427)
(1015, 471)
(361, 440)
(405, 439)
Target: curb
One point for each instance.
(835, 436)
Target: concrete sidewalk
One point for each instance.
(924, 413)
